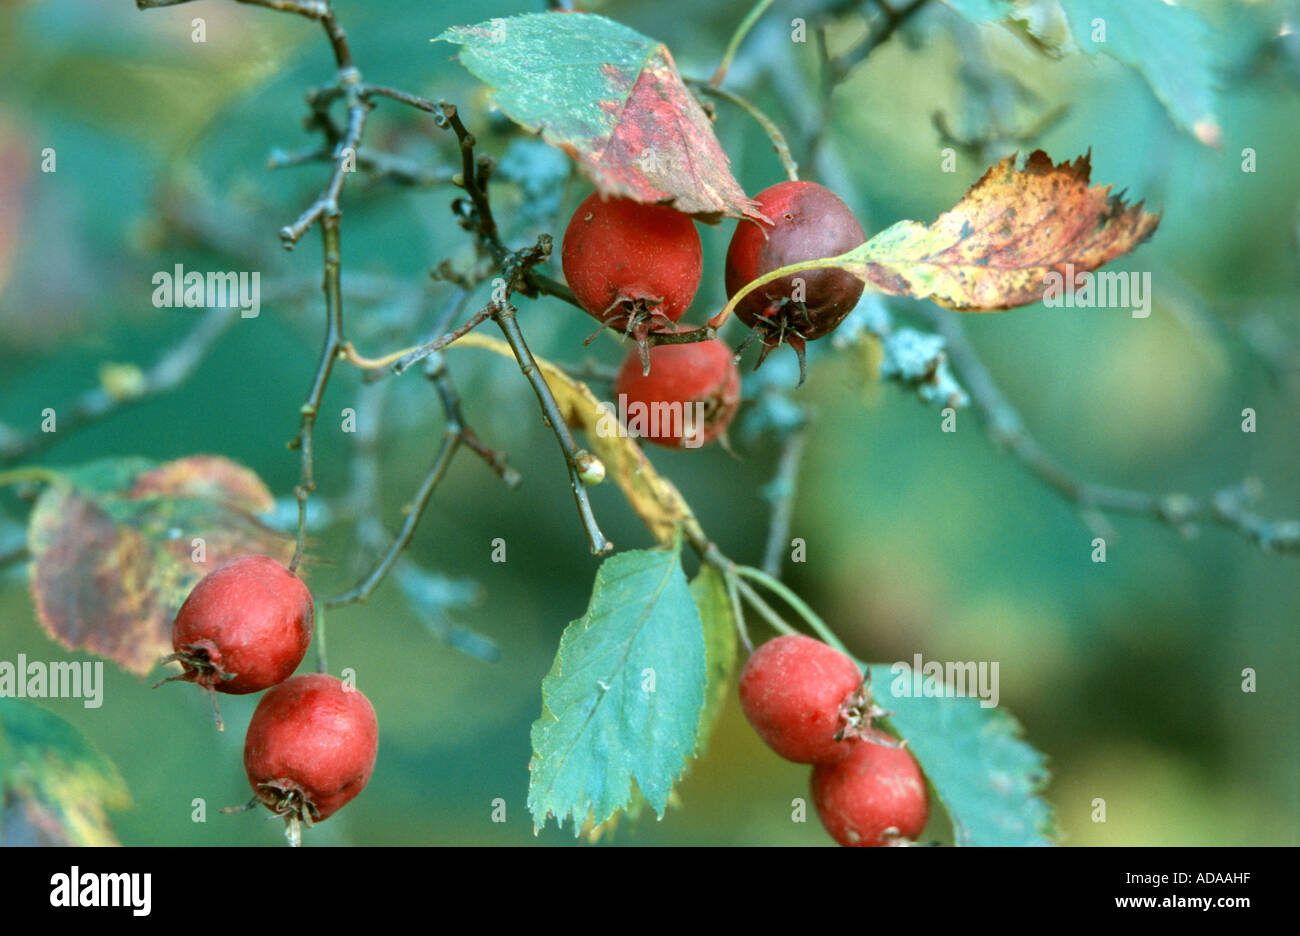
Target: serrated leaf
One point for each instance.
(55, 787)
(612, 99)
(111, 544)
(986, 777)
(622, 701)
(720, 647)
(995, 249)
(1169, 45)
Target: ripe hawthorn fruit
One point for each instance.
(681, 376)
(809, 222)
(874, 796)
(631, 265)
(803, 698)
(243, 628)
(310, 749)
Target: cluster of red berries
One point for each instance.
(637, 267)
(312, 741)
(809, 703)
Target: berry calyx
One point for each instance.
(874, 796)
(803, 698)
(688, 397)
(244, 627)
(809, 222)
(631, 265)
(310, 749)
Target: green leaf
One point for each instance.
(710, 593)
(612, 99)
(112, 545)
(1170, 46)
(622, 701)
(986, 777)
(55, 787)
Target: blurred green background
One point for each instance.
(1127, 674)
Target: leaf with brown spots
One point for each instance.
(612, 99)
(112, 544)
(995, 249)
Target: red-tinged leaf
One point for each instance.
(996, 248)
(613, 100)
(112, 545)
(206, 477)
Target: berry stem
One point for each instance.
(794, 601)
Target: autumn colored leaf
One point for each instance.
(112, 546)
(55, 788)
(654, 498)
(612, 99)
(996, 248)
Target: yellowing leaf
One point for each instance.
(113, 542)
(995, 249)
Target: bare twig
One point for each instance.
(782, 491)
(505, 319)
(329, 353)
(838, 67)
(769, 126)
(166, 373)
(1228, 507)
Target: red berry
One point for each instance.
(693, 386)
(809, 222)
(799, 694)
(632, 265)
(310, 748)
(245, 626)
(875, 796)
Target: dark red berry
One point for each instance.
(631, 265)
(310, 748)
(243, 628)
(686, 400)
(809, 222)
(801, 696)
(875, 796)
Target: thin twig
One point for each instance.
(450, 442)
(166, 373)
(1227, 507)
(769, 126)
(505, 319)
(329, 354)
(783, 487)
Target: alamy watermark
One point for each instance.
(952, 679)
(660, 420)
(39, 680)
(1108, 290)
(194, 290)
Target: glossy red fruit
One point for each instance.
(686, 400)
(631, 265)
(800, 696)
(244, 627)
(310, 748)
(875, 796)
(809, 222)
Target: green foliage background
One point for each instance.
(1126, 674)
